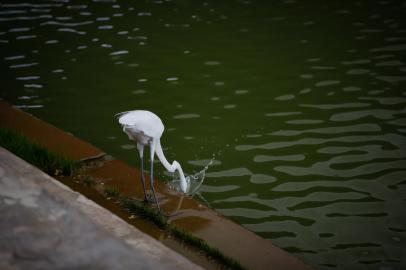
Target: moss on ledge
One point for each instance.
(37, 154)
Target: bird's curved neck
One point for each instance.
(170, 167)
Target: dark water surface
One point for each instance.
(302, 105)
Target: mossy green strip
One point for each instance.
(145, 211)
(37, 154)
(202, 245)
(111, 191)
(87, 181)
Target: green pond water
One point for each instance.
(301, 104)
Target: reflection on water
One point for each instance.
(303, 104)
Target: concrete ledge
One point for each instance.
(46, 225)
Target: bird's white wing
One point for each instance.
(145, 121)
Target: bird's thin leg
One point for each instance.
(141, 151)
(143, 180)
(152, 174)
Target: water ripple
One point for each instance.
(218, 189)
(204, 162)
(26, 37)
(246, 212)
(12, 12)
(186, 116)
(327, 83)
(375, 188)
(390, 48)
(262, 179)
(358, 71)
(393, 63)
(23, 65)
(324, 169)
(285, 97)
(304, 121)
(14, 57)
(119, 53)
(392, 79)
(30, 5)
(386, 100)
(230, 173)
(19, 29)
(28, 78)
(266, 158)
(70, 30)
(25, 18)
(279, 114)
(356, 62)
(394, 139)
(330, 130)
(356, 115)
(66, 24)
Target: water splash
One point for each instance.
(195, 180)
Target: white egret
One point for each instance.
(146, 128)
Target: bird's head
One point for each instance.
(185, 184)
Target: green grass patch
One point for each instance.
(37, 154)
(212, 252)
(145, 211)
(111, 192)
(87, 181)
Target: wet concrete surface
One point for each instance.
(45, 225)
(233, 240)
